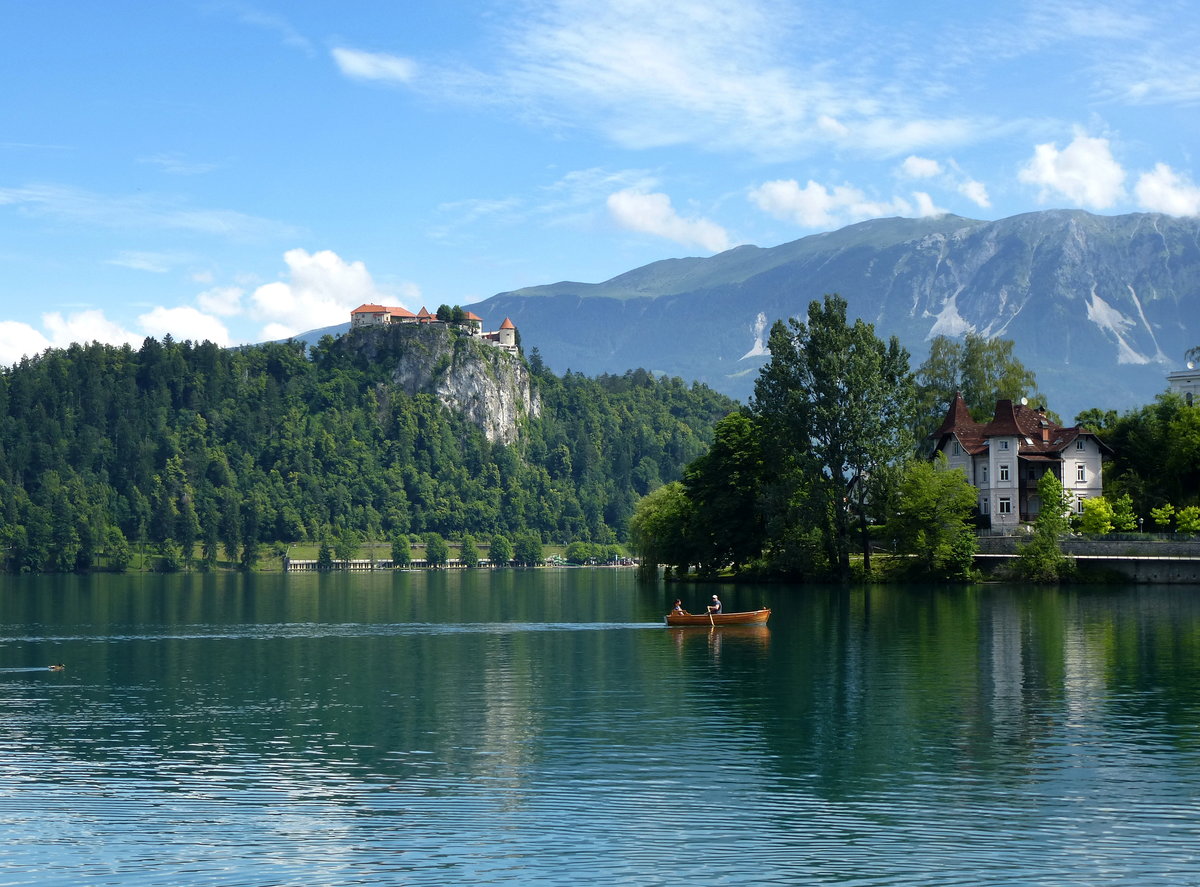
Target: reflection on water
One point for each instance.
(543, 728)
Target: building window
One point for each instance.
(1079, 444)
(1003, 472)
(983, 506)
(1033, 474)
(957, 449)
(1080, 472)
(1004, 445)
(1079, 504)
(1005, 506)
(984, 467)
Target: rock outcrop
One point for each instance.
(483, 383)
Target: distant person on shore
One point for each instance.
(715, 607)
(678, 608)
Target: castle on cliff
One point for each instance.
(504, 338)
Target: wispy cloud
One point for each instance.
(250, 15)
(142, 211)
(360, 65)
(177, 164)
(155, 262)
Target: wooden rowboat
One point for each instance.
(750, 617)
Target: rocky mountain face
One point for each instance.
(469, 376)
(1100, 307)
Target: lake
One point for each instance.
(544, 728)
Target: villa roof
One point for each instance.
(1038, 436)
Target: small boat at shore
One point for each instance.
(749, 617)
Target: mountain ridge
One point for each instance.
(1100, 307)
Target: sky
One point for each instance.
(245, 171)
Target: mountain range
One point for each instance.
(1101, 308)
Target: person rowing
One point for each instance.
(715, 607)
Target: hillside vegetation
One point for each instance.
(197, 449)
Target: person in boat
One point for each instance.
(678, 608)
(58, 667)
(715, 607)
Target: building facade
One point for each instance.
(504, 338)
(1186, 383)
(1005, 458)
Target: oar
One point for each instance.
(710, 620)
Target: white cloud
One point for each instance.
(920, 167)
(224, 301)
(1165, 191)
(360, 65)
(1084, 172)
(925, 206)
(652, 213)
(321, 291)
(86, 326)
(976, 192)
(19, 340)
(816, 206)
(184, 323)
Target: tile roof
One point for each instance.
(1038, 435)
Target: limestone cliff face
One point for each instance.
(486, 385)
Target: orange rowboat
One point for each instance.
(750, 617)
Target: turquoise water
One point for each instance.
(544, 728)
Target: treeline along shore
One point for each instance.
(182, 455)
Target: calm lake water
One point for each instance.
(544, 728)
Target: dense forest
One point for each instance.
(199, 450)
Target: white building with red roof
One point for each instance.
(1005, 457)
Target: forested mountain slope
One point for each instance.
(208, 449)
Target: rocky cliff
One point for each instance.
(486, 385)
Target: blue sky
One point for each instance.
(242, 171)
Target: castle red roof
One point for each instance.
(507, 325)
(370, 309)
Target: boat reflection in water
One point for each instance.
(748, 637)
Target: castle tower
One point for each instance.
(508, 334)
